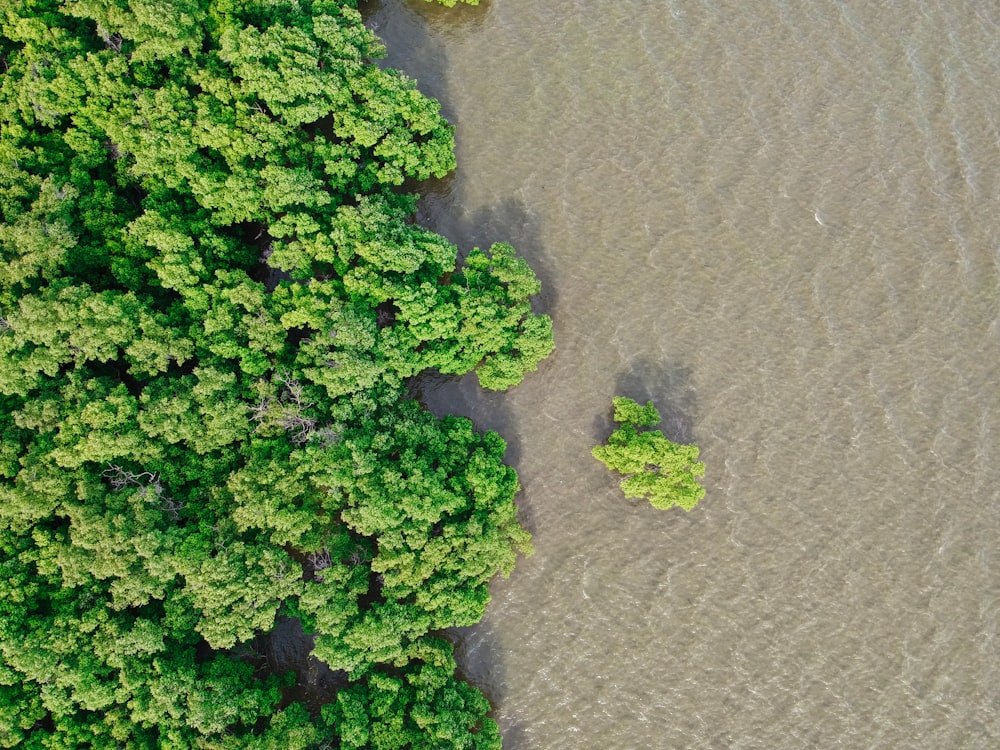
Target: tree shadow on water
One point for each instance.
(450, 394)
(414, 32)
(668, 386)
(510, 221)
(482, 662)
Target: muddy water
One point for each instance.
(778, 221)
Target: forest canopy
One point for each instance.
(212, 300)
(655, 468)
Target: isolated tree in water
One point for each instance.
(664, 472)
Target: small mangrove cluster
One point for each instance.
(654, 468)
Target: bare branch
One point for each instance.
(303, 425)
(111, 41)
(112, 149)
(259, 412)
(148, 485)
(358, 557)
(293, 389)
(319, 561)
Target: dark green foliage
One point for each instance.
(438, 500)
(212, 295)
(419, 707)
(655, 468)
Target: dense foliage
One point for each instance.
(211, 299)
(664, 472)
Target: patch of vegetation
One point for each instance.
(653, 467)
(211, 298)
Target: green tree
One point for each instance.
(453, 3)
(212, 295)
(654, 468)
(421, 706)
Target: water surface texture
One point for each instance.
(778, 220)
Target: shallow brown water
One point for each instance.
(777, 220)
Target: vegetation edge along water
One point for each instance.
(212, 297)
